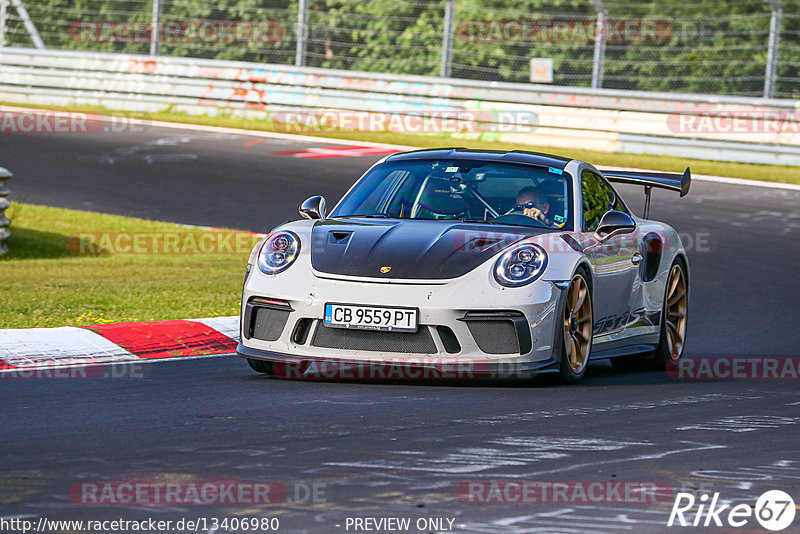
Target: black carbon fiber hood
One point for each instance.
(411, 249)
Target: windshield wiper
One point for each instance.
(536, 225)
(483, 221)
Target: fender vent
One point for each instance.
(652, 249)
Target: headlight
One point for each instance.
(520, 265)
(278, 252)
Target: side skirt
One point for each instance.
(627, 350)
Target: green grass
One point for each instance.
(45, 283)
(770, 173)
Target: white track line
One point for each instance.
(68, 346)
(118, 362)
(719, 179)
(333, 141)
(750, 183)
(222, 129)
(227, 326)
(62, 346)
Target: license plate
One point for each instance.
(371, 317)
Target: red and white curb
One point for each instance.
(68, 346)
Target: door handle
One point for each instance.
(636, 259)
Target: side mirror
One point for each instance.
(613, 223)
(313, 208)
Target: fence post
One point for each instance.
(772, 47)
(156, 23)
(302, 33)
(601, 32)
(447, 37)
(3, 21)
(29, 26)
(5, 174)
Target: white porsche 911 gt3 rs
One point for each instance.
(466, 263)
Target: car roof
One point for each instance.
(509, 156)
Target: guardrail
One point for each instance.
(5, 233)
(697, 126)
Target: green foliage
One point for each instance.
(380, 36)
(47, 284)
(713, 47)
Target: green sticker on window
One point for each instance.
(451, 169)
(558, 218)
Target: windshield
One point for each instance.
(479, 191)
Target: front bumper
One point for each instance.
(493, 326)
(404, 368)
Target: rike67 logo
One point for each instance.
(774, 510)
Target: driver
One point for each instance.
(534, 205)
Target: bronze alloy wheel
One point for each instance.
(578, 325)
(675, 312)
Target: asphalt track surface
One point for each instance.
(399, 449)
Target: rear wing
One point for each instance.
(663, 180)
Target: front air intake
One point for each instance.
(419, 342)
(268, 324)
(504, 332)
(265, 318)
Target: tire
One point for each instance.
(674, 318)
(260, 366)
(576, 327)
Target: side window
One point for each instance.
(598, 198)
(617, 203)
